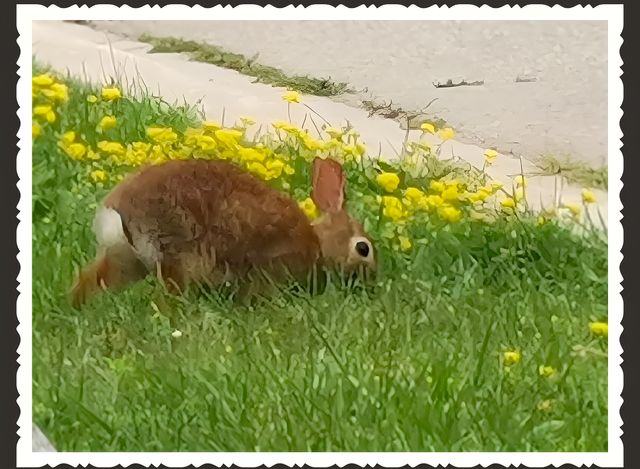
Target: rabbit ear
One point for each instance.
(328, 184)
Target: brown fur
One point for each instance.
(210, 221)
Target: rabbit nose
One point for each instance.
(362, 248)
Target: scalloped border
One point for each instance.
(611, 13)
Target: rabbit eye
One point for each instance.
(362, 248)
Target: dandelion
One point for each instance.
(292, 97)
(588, 197)
(92, 99)
(176, 334)
(36, 130)
(446, 133)
(428, 127)
(111, 94)
(546, 371)
(42, 80)
(490, 155)
(107, 122)
(388, 181)
(309, 208)
(600, 329)
(76, 151)
(511, 357)
(98, 175)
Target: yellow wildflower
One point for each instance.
(113, 148)
(251, 154)
(588, 197)
(92, 98)
(289, 170)
(204, 142)
(490, 155)
(437, 186)
(76, 151)
(98, 175)
(546, 371)
(292, 97)
(388, 181)
(111, 93)
(333, 132)
(107, 122)
(413, 194)
(60, 92)
(162, 134)
(496, 185)
(600, 329)
(446, 133)
(520, 181)
(575, 209)
(434, 201)
(518, 194)
(428, 127)
(68, 138)
(449, 213)
(258, 168)
(511, 357)
(211, 125)
(36, 130)
(392, 208)
(42, 80)
(45, 111)
(309, 208)
(405, 243)
(228, 137)
(508, 203)
(451, 193)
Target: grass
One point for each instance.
(203, 52)
(575, 172)
(415, 363)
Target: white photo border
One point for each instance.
(613, 14)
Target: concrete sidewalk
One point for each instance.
(87, 53)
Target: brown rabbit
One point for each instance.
(212, 222)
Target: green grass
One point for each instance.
(203, 52)
(575, 172)
(413, 364)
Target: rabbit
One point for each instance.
(210, 222)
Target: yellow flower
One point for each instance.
(518, 194)
(600, 329)
(496, 185)
(36, 130)
(309, 208)
(98, 175)
(392, 208)
(437, 186)
(446, 133)
(428, 127)
(211, 125)
(588, 197)
(546, 371)
(247, 120)
(511, 358)
(60, 92)
(508, 203)
(289, 170)
(413, 194)
(107, 122)
(434, 201)
(405, 243)
(42, 80)
(251, 154)
(291, 97)
(388, 181)
(228, 137)
(258, 169)
(449, 213)
(575, 209)
(68, 138)
(545, 406)
(162, 134)
(76, 151)
(520, 181)
(481, 195)
(451, 193)
(42, 110)
(111, 93)
(205, 142)
(333, 132)
(114, 148)
(490, 155)
(92, 98)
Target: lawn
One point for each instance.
(485, 329)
